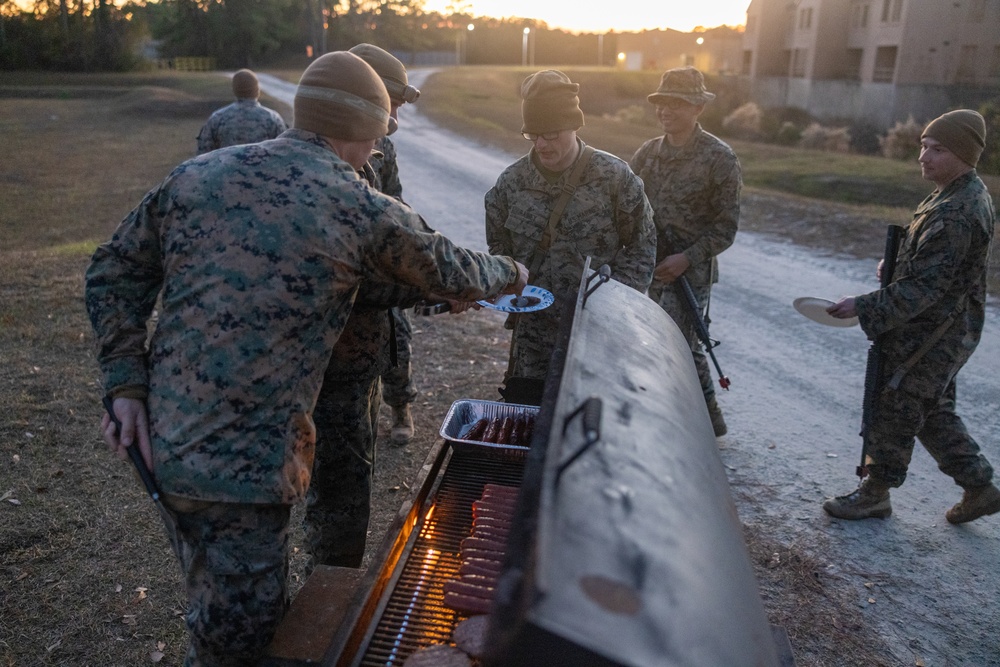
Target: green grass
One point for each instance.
(484, 103)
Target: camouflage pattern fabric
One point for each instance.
(259, 251)
(242, 122)
(608, 219)
(338, 504)
(398, 387)
(694, 190)
(235, 564)
(339, 498)
(940, 272)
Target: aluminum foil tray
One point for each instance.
(466, 412)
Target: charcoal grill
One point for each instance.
(625, 548)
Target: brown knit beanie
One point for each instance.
(245, 85)
(340, 96)
(549, 103)
(391, 70)
(962, 131)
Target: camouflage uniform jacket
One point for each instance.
(695, 194)
(363, 351)
(608, 218)
(940, 272)
(242, 122)
(257, 252)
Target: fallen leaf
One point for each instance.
(919, 662)
(156, 656)
(23, 575)
(871, 600)
(869, 584)
(142, 593)
(118, 588)
(161, 645)
(29, 434)
(17, 458)
(7, 494)
(13, 501)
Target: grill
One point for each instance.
(625, 549)
(414, 614)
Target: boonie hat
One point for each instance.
(685, 83)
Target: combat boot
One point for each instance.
(977, 501)
(869, 501)
(402, 425)
(718, 423)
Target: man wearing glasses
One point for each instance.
(604, 215)
(693, 182)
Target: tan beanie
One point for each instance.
(391, 70)
(245, 85)
(340, 96)
(549, 103)
(962, 131)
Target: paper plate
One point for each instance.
(533, 298)
(815, 309)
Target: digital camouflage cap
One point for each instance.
(685, 83)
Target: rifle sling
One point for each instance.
(904, 368)
(568, 188)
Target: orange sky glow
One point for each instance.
(620, 16)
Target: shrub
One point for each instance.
(902, 142)
(789, 134)
(836, 139)
(744, 122)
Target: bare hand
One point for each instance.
(131, 412)
(843, 309)
(671, 268)
(462, 306)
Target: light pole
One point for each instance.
(524, 47)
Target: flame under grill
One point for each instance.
(414, 615)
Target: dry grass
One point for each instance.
(87, 576)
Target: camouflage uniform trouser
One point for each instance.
(338, 503)
(672, 301)
(235, 563)
(397, 383)
(903, 415)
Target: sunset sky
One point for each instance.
(621, 16)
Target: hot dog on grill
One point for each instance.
(477, 430)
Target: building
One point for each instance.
(878, 61)
(714, 51)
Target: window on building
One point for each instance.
(995, 63)
(805, 18)
(859, 15)
(966, 72)
(852, 64)
(885, 64)
(747, 61)
(799, 62)
(892, 11)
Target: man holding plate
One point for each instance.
(558, 205)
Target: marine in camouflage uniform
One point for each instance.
(244, 121)
(256, 252)
(607, 218)
(693, 183)
(338, 505)
(929, 320)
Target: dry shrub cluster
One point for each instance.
(819, 137)
(902, 141)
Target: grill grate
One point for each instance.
(415, 615)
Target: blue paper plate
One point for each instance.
(538, 299)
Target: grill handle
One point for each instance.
(590, 412)
(602, 275)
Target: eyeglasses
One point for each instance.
(673, 103)
(548, 136)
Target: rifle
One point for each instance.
(874, 381)
(694, 309)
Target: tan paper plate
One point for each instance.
(815, 309)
